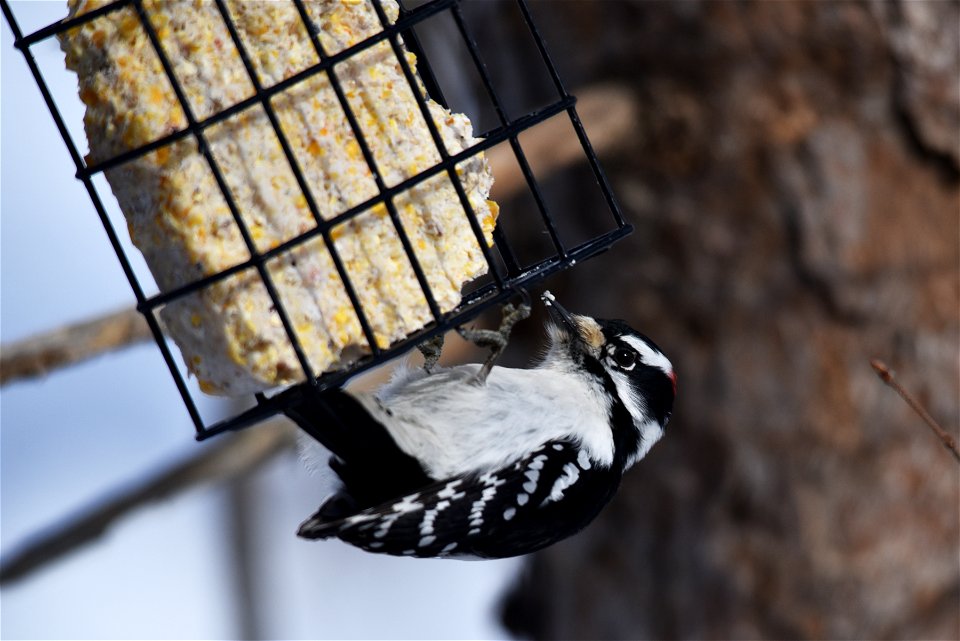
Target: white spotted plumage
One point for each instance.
(500, 467)
(570, 476)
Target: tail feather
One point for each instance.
(335, 418)
(317, 528)
(365, 453)
(325, 522)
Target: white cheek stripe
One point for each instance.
(649, 430)
(630, 399)
(649, 355)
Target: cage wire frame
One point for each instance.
(509, 277)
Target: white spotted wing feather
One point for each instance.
(520, 508)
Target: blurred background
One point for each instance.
(793, 173)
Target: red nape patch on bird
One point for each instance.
(673, 379)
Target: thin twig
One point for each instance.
(887, 377)
(225, 458)
(43, 353)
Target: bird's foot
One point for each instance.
(495, 340)
(431, 350)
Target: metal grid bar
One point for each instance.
(492, 139)
(503, 287)
(205, 151)
(425, 68)
(151, 319)
(371, 162)
(413, 17)
(574, 117)
(514, 141)
(474, 304)
(301, 181)
(441, 148)
(64, 25)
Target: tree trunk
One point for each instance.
(794, 183)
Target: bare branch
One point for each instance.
(42, 353)
(226, 458)
(887, 377)
(609, 114)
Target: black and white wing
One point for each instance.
(546, 496)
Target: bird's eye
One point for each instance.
(625, 358)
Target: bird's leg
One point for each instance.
(495, 340)
(431, 352)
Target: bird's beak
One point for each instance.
(559, 315)
(583, 328)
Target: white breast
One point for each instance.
(454, 425)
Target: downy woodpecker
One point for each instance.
(444, 464)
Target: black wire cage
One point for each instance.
(509, 273)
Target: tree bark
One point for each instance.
(794, 183)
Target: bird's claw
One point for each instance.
(431, 350)
(496, 340)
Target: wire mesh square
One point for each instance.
(509, 269)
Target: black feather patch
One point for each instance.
(548, 495)
(366, 453)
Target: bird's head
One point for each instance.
(634, 373)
